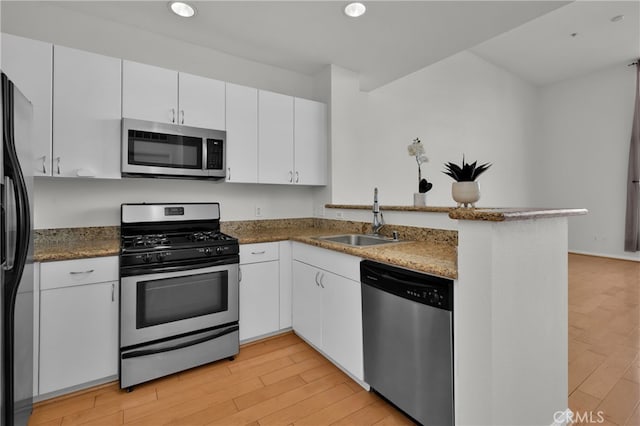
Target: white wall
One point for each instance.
(583, 151)
(62, 203)
(462, 104)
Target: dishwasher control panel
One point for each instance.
(419, 287)
(433, 296)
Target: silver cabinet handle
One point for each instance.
(58, 164)
(316, 278)
(321, 277)
(44, 164)
(239, 274)
(290, 176)
(297, 177)
(113, 292)
(228, 173)
(88, 271)
(173, 115)
(182, 113)
(258, 252)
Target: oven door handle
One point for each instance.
(145, 352)
(128, 271)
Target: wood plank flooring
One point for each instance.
(604, 339)
(283, 381)
(278, 381)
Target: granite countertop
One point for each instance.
(75, 249)
(488, 214)
(76, 243)
(427, 250)
(422, 249)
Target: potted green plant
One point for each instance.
(416, 149)
(465, 190)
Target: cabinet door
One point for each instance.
(307, 303)
(149, 93)
(28, 63)
(86, 114)
(242, 134)
(78, 335)
(342, 322)
(201, 102)
(310, 139)
(259, 300)
(275, 138)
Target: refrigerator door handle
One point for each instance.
(11, 225)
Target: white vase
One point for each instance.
(419, 199)
(465, 193)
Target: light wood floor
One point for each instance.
(278, 381)
(604, 338)
(284, 381)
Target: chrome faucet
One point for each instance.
(378, 222)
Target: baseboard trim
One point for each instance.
(630, 258)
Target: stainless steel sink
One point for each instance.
(358, 240)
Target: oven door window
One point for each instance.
(164, 150)
(166, 300)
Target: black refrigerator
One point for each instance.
(16, 248)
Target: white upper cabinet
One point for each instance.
(242, 134)
(275, 138)
(310, 139)
(28, 63)
(201, 102)
(86, 114)
(149, 93)
(292, 140)
(167, 96)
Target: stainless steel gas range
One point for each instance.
(178, 290)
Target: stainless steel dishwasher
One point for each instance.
(408, 340)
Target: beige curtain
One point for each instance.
(632, 225)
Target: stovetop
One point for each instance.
(157, 249)
(175, 240)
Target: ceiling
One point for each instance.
(543, 51)
(393, 39)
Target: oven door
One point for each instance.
(162, 305)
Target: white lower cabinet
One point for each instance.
(78, 323)
(259, 290)
(307, 303)
(327, 309)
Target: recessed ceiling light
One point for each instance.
(617, 18)
(355, 9)
(182, 9)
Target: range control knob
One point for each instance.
(146, 258)
(208, 251)
(219, 250)
(161, 256)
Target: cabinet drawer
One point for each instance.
(262, 252)
(68, 273)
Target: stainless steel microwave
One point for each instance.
(151, 149)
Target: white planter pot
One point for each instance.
(419, 199)
(465, 193)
